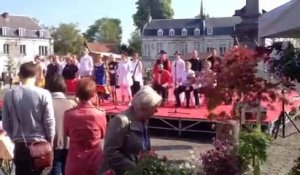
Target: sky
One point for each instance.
(85, 12)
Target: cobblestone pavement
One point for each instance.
(281, 154)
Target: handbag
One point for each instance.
(135, 83)
(40, 151)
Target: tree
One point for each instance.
(67, 39)
(158, 9)
(135, 41)
(107, 30)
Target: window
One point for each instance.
(160, 32)
(159, 47)
(41, 34)
(6, 48)
(209, 31)
(43, 50)
(184, 32)
(197, 46)
(171, 32)
(222, 50)
(21, 32)
(3, 31)
(149, 50)
(183, 48)
(209, 49)
(197, 32)
(23, 49)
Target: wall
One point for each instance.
(172, 44)
(32, 49)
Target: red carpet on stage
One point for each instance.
(202, 113)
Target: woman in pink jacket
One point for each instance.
(86, 126)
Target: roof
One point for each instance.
(174, 23)
(101, 47)
(13, 23)
(221, 26)
(223, 21)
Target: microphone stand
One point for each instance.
(175, 77)
(115, 93)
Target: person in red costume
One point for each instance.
(163, 59)
(162, 80)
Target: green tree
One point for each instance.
(107, 30)
(158, 9)
(67, 39)
(135, 41)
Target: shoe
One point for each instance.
(197, 106)
(177, 105)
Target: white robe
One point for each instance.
(124, 73)
(178, 70)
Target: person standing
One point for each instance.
(70, 73)
(100, 76)
(127, 134)
(196, 63)
(112, 69)
(40, 73)
(57, 88)
(52, 69)
(215, 61)
(86, 126)
(137, 73)
(28, 117)
(178, 69)
(163, 59)
(124, 77)
(86, 64)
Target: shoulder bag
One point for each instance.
(40, 151)
(136, 84)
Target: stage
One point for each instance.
(200, 120)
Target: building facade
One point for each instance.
(22, 38)
(186, 35)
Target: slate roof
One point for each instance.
(221, 26)
(13, 23)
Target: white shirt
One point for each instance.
(124, 73)
(86, 66)
(138, 75)
(178, 69)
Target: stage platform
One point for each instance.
(197, 120)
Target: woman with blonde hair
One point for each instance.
(127, 132)
(40, 70)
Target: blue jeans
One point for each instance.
(59, 161)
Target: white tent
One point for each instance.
(282, 22)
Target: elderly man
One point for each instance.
(161, 82)
(86, 64)
(127, 133)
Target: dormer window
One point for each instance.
(171, 32)
(209, 31)
(184, 32)
(197, 32)
(160, 32)
(3, 31)
(21, 32)
(41, 33)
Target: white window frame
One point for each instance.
(6, 48)
(197, 46)
(22, 49)
(43, 50)
(41, 33)
(183, 48)
(184, 32)
(210, 31)
(160, 32)
(171, 32)
(159, 47)
(197, 32)
(4, 31)
(21, 32)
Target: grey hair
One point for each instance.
(146, 98)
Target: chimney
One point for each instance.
(252, 7)
(5, 15)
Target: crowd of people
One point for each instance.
(75, 128)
